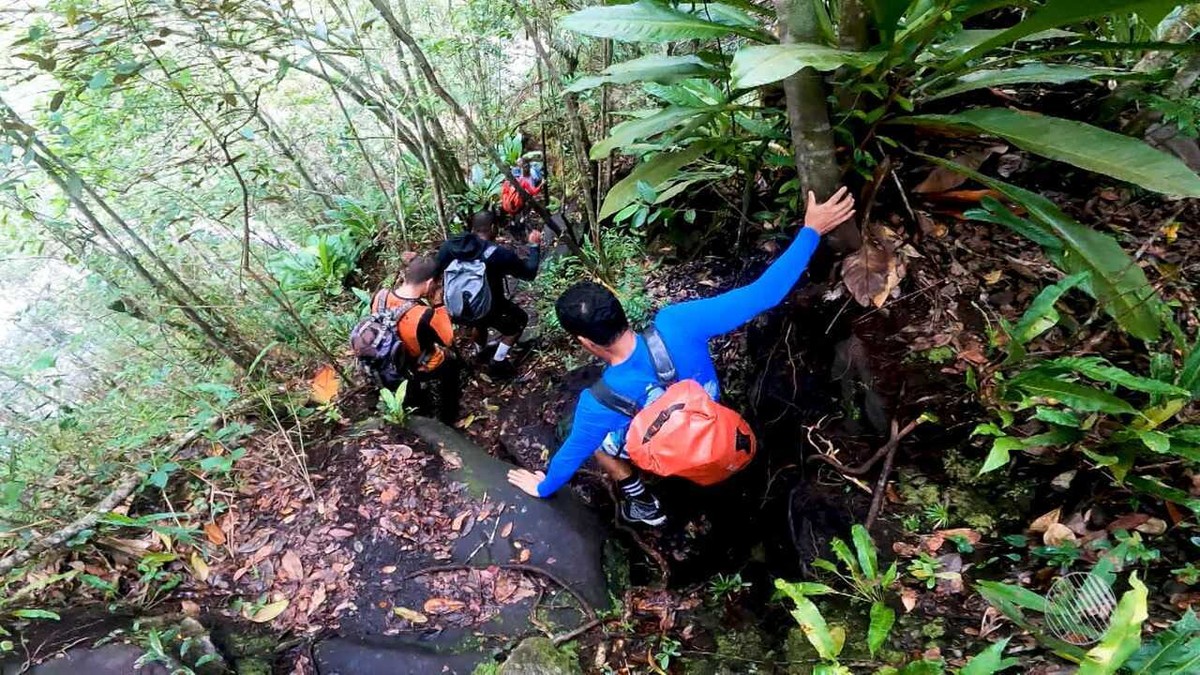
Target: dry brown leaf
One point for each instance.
(1153, 526)
(410, 615)
(325, 385)
(339, 533)
(214, 533)
(941, 178)
(1058, 534)
(388, 569)
(291, 565)
(908, 598)
(451, 458)
(457, 524)
(1045, 520)
(443, 606)
(189, 608)
(199, 567)
(870, 273)
(930, 227)
(318, 599)
(266, 613)
(524, 555)
(506, 530)
(992, 278)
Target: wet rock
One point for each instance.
(538, 656)
(114, 659)
(380, 656)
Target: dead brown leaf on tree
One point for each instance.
(872, 272)
(941, 178)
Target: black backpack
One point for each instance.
(377, 346)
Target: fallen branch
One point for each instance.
(120, 492)
(889, 450)
(584, 605)
(571, 635)
(866, 466)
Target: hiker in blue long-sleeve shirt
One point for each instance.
(592, 314)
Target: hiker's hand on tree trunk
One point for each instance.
(528, 481)
(826, 216)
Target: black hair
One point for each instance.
(420, 269)
(483, 223)
(590, 310)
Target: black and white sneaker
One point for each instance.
(643, 509)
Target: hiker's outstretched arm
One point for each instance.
(591, 424)
(507, 260)
(723, 313)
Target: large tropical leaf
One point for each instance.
(654, 172)
(1071, 394)
(1057, 13)
(763, 64)
(990, 661)
(887, 13)
(719, 12)
(969, 38)
(1041, 315)
(1114, 277)
(633, 130)
(1077, 143)
(1100, 370)
(649, 21)
(811, 622)
(1124, 634)
(651, 68)
(1175, 651)
(1047, 73)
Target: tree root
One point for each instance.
(889, 451)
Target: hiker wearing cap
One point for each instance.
(656, 406)
(474, 269)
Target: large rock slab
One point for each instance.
(557, 538)
(114, 659)
(538, 656)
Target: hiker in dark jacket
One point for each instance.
(505, 316)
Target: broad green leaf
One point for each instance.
(882, 618)
(811, 622)
(1018, 596)
(967, 39)
(887, 13)
(1072, 394)
(1175, 651)
(651, 68)
(763, 64)
(1156, 488)
(1047, 73)
(842, 551)
(990, 660)
(654, 171)
(1079, 144)
(1186, 433)
(1054, 14)
(1157, 441)
(1115, 278)
(649, 21)
(36, 614)
(633, 130)
(924, 667)
(995, 212)
(1041, 315)
(999, 455)
(1124, 634)
(864, 548)
(1060, 417)
(1003, 446)
(1100, 370)
(719, 12)
(1189, 375)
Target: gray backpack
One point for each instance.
(468, 296)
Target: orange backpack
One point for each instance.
(684, 432)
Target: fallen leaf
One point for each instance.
(466, 422)
(267, 612)
(388, 569)
(451, 458)
(318, 599)
(339, 533)
(1045, 520)
(506, 530)
(1153, 526)
(908, 598)
(324, 385)
(992, 278)
(290, 563)
(410, 615)
(1129, 521)
(1175, 514)
(1058, 534)
(941, 178)
(458, 521)
(199, 567)
(214, 533)
(524, 556)
(931, 227)
(871, 272)
(443, 606)
(189, 608)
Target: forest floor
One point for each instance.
(820, 375)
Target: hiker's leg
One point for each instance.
(509, 320)
(638, 504)
(449, 389)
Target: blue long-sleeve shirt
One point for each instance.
(686, 329)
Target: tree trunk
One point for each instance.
(852, 26)
(808, 117)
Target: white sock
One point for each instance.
(501, 351)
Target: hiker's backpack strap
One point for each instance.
(612, 400)
(663, 365)
(487, 252)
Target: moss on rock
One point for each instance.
(539, 656)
